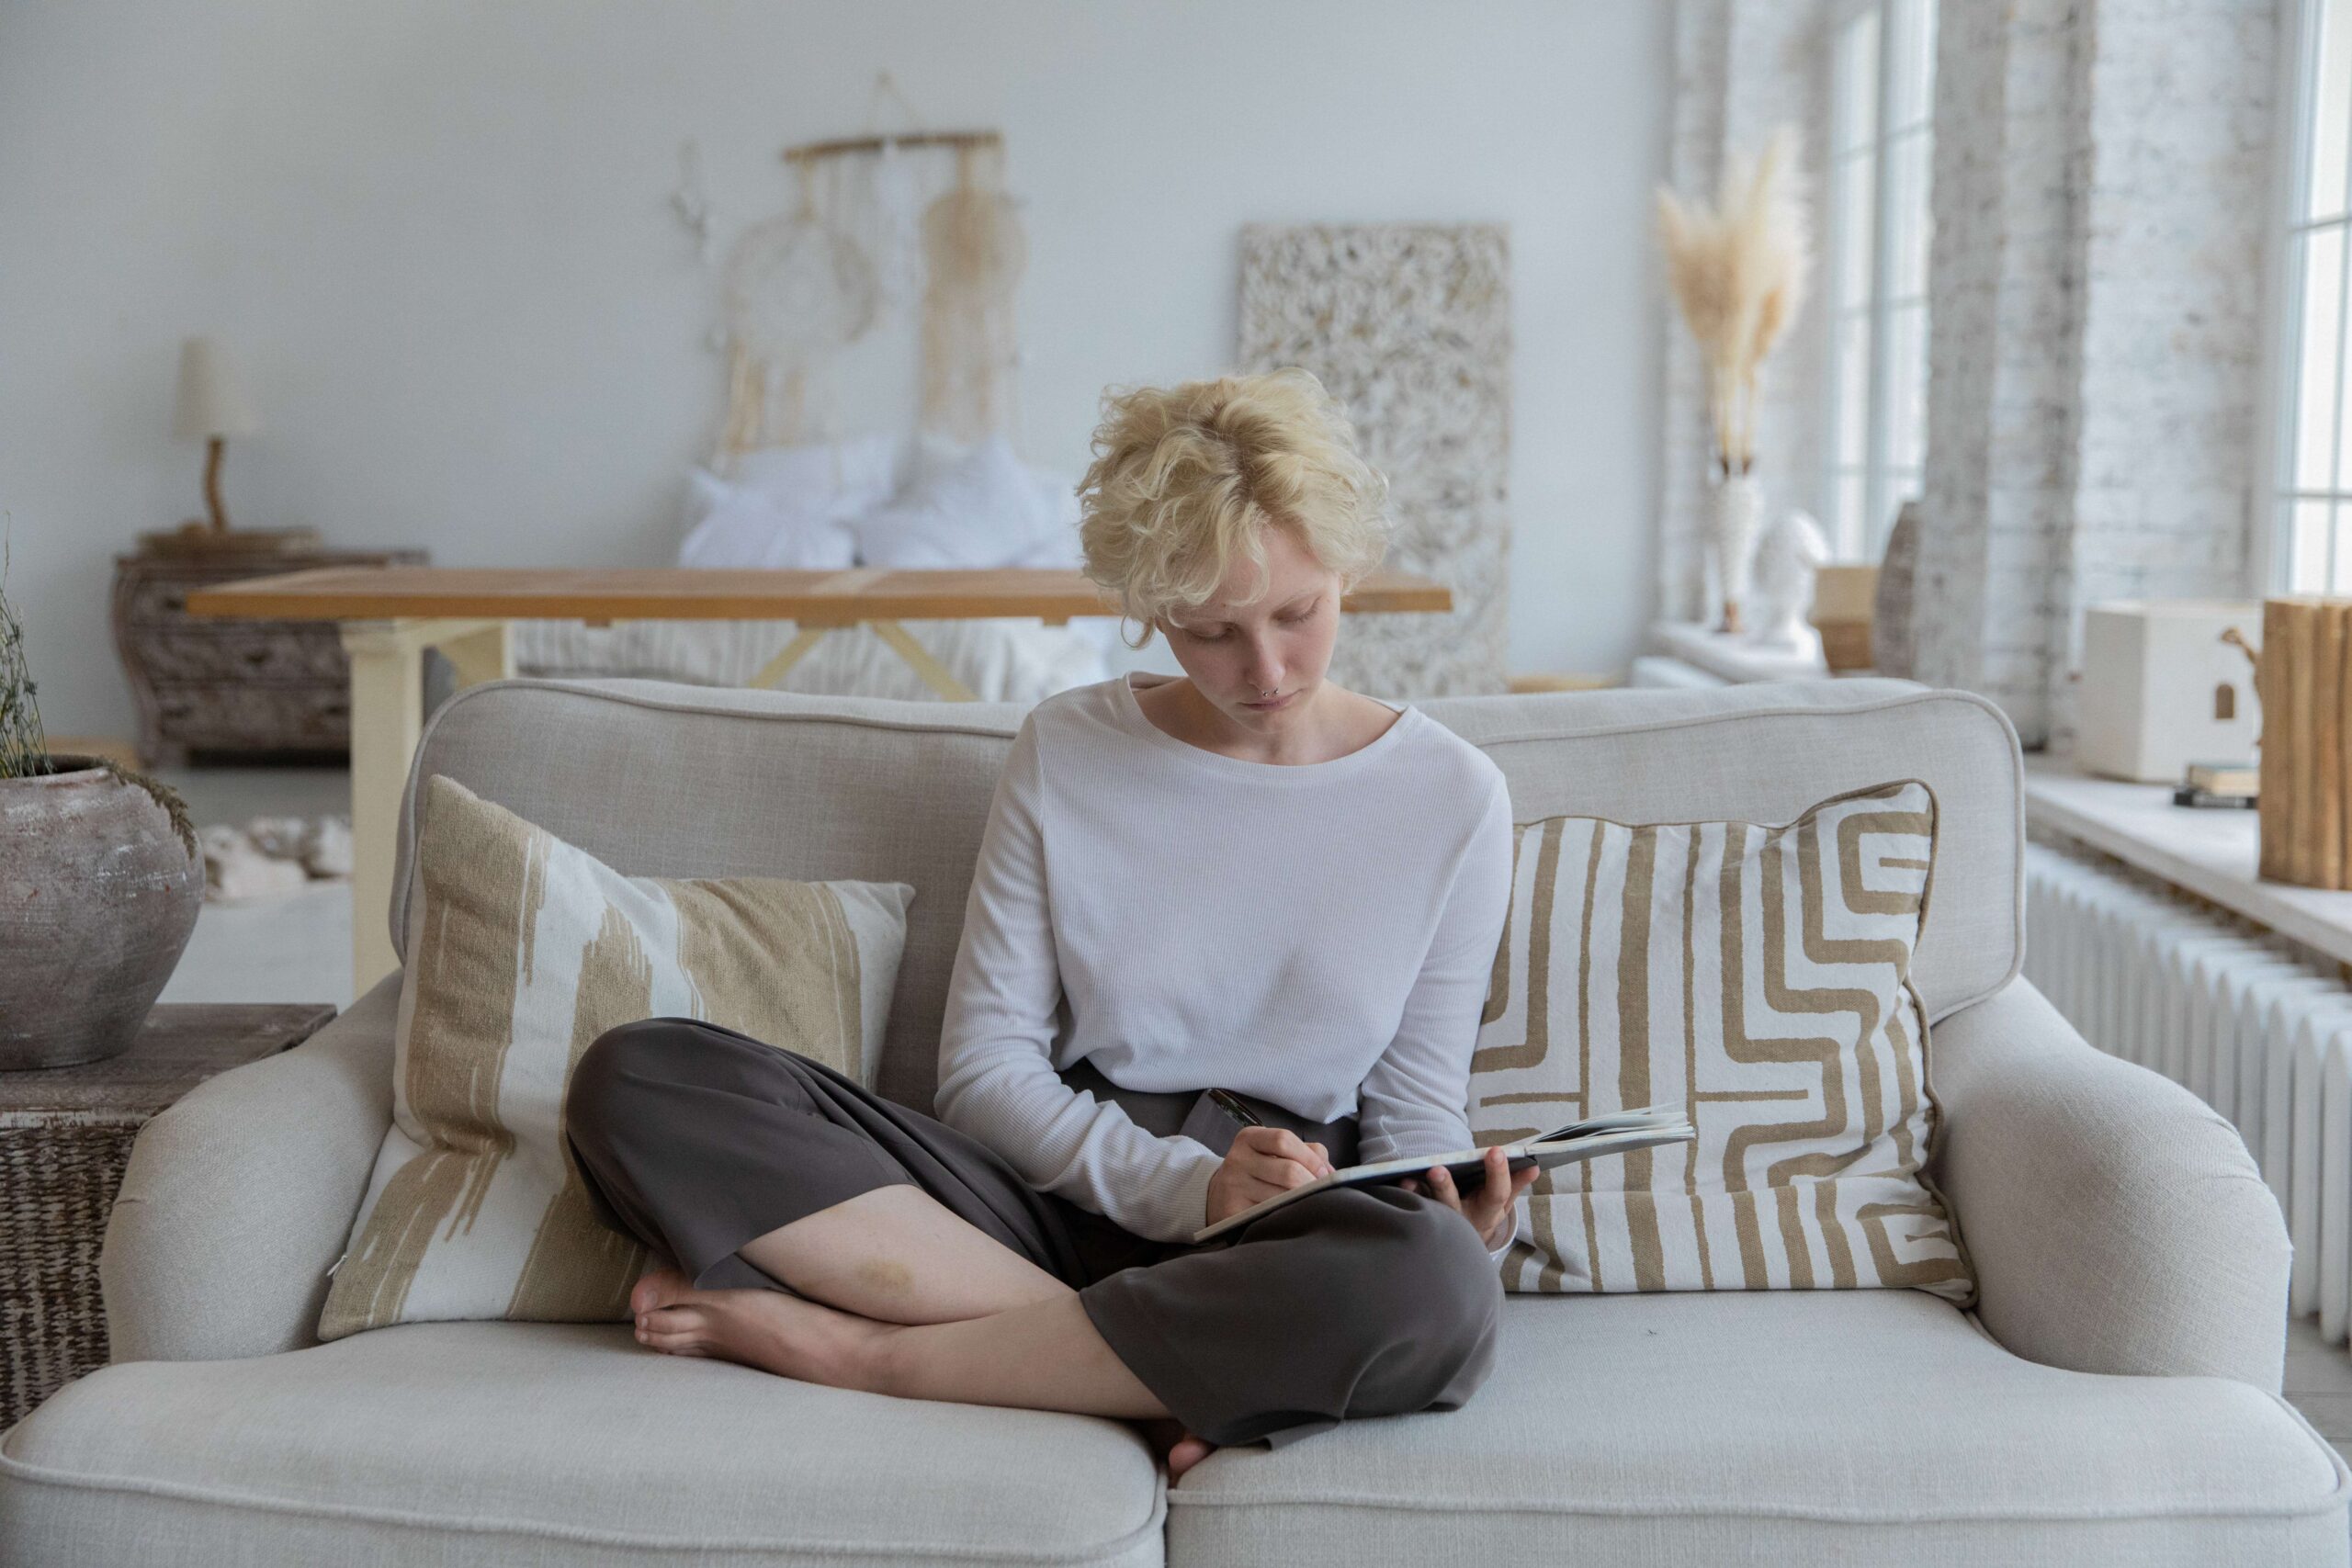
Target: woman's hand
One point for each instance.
(1263, 1162)
(1490, 1208)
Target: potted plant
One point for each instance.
(99, 885)
(1737, 272)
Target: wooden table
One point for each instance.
(65, 1135)
(391, 614)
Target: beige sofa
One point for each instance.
(2115, 1399)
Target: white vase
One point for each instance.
(1731, 543)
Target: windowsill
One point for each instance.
(2212, 853)
(1731, 657)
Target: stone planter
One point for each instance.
(97, 896)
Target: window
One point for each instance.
(1881, 154)
(2311, 489)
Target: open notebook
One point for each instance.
(1615, 1132)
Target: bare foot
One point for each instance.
(772, 1330)
(1178, 1449)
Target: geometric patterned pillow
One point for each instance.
(1759, 978)
(523, 949)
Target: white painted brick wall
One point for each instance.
(2002, 351)
(2101, 198)
(2103, 170)
(2175, 223)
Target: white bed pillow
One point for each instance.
(1056, 498)
(735, 525)
(1056, 547)
(981, 507)
(789, 506)
(845, 477)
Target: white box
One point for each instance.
(2161, 690)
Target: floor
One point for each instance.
(298, 949)
(2319, 1382)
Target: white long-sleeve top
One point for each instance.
(1319, 935)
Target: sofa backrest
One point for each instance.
(668, 780)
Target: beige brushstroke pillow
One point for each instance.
(1759, 978)
(522, 950)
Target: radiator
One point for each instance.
(2258, 1028)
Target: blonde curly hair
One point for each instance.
(1186, 478)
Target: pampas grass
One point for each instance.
(1739, 271)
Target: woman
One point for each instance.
(1249, 878)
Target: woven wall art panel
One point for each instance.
(1409, 324)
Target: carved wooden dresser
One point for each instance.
(241, 689)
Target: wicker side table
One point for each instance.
(65, 1136)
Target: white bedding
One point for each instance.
(885, 501)
(878, 499)
(1008, 660)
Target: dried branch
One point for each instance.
(1738, 270)
(24, 751)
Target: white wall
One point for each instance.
(436, 235)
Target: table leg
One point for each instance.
(935, 675)
(793, 651)
(486, 653)
(387, 718)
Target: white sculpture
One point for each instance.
(1791, 552)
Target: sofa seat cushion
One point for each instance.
(547, 1444)
(1860, 1426)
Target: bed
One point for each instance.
(882, 500)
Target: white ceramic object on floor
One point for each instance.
(326, 852)
(272, 856)
(279, 838)
(240, 870)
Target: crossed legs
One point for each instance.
(916, 1262)
(902, 1298)
(894, 1293)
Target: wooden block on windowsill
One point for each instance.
(1843, 599)
(1845, 646)
(1845, 592)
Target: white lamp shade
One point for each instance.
(211, 401)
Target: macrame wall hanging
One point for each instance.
(881, 222)
(973, 249)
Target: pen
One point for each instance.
(1233, 1106)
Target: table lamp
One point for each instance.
(211, 408)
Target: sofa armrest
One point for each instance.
(2115, 1222)
(239, 1198)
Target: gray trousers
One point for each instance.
(694, 1139)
